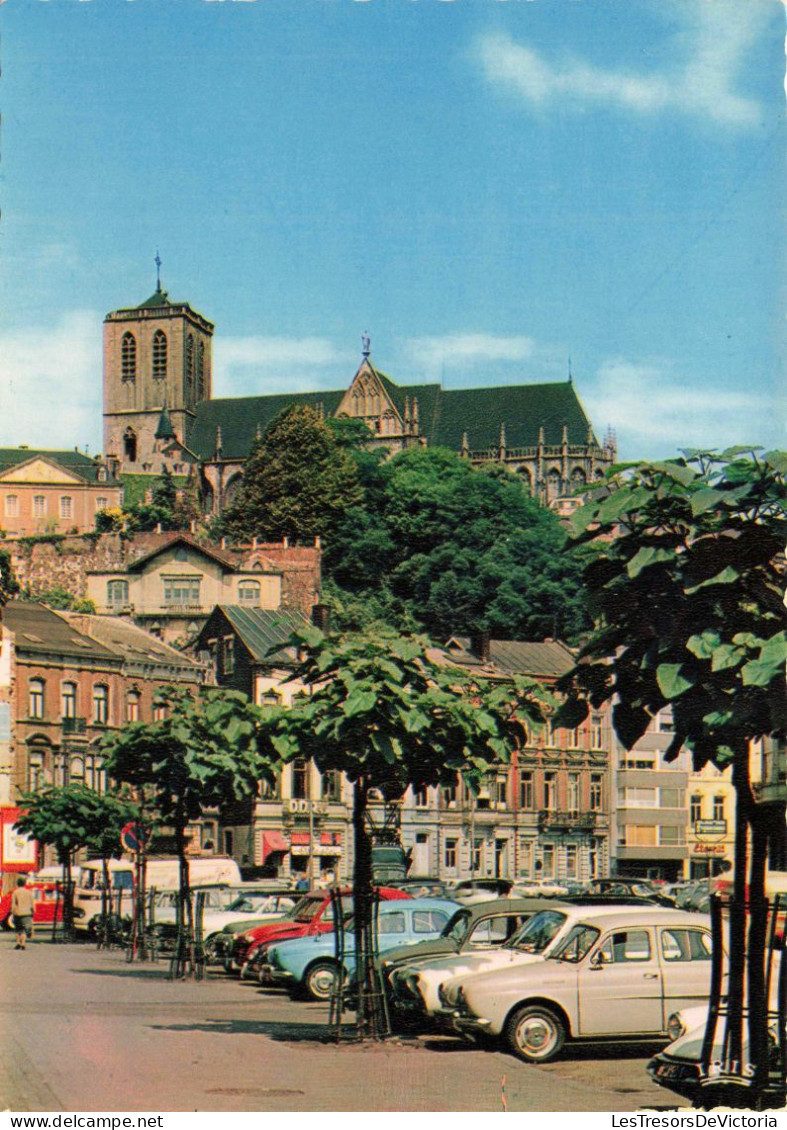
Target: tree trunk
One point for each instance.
(733, 1035)
(184, 952)
(68, 897)
(756, 948)
(363, 893)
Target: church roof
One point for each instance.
(444, 414)
(165, 429)
(158, 299)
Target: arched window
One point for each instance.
(159, 355)
(128, 357)
(101, 704)
(76, 770)
(68, 700)
(36, 767)
(578, 478)
(527, 481)
(36, 701)
(201, 371)
(130, 445)
(190, 363)
(117, 594)
(553, 484)
(132, 706)
(249, 593)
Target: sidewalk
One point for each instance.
(82, 1030)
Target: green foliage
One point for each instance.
(386, 709)
(9, 585)
(299, 479)
(688, 590)
(203, 754)
(455, 548)
(61, 599)
(74, 817)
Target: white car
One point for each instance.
(417, 984)
(527, 888)
(610, 974)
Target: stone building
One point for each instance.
(57, 492)
(159, 412)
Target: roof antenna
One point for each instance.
(157, 261)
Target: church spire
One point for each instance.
(157, 261)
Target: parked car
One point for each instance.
(545, 888)
(641, 888)
(678, 1067)
(610, 974)
(46, 905)
(416, 984)
(472, 929)
(308, 966)
(267, 904)
(480, 887)
(423, 886)
(312, 914)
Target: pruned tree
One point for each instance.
(68, 819)
(688, 592)
(391, 712)
(202, 755)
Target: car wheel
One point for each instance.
(319, 981)
(535, 1033)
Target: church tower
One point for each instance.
(157, 369)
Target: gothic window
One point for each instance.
(201, 371)
(578, 478)
(128, 357)
(553, 484)
(130, 446)
(159, 355)
(190, 362)
(527, 482)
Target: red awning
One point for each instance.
(273, 842)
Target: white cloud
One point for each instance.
(656, 410)
(255, 365)
(50, 389)
(431, 354)
(709, 49)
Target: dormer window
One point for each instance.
(159, 355)
(128, 357)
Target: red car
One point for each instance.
(45, 903)
(313, 914)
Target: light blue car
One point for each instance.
(307, 966)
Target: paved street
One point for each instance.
(84, 1031)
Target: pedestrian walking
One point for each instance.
(22, 910)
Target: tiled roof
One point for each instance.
(444, 414)
(261, 630)
(549, 659)
(75, 461)
(38, 630)
(131, 643)
(240, 419)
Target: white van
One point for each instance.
(163, 874)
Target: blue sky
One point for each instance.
(487, 186)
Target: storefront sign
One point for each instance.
(710, 849)
(710, 827)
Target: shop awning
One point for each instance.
(273, 842)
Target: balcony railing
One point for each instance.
(74, 725)
(566, 821)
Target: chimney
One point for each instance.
(481, 645)
(321, 617)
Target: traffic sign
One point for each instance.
(133, 837)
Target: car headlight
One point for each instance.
(675, 1027)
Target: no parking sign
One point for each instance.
(133, 837)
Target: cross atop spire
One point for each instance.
(157, 261)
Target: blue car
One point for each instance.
(307, 966)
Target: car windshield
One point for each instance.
(537, 932)
(456, 928)
(577, 944)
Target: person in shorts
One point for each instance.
(22, 910)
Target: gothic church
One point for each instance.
(159, 411)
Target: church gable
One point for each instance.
(43, 471)
(368, 399)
